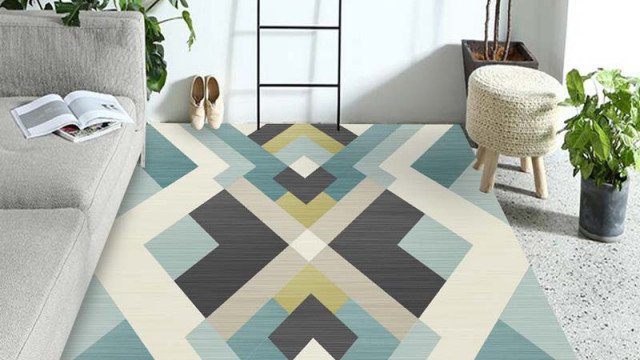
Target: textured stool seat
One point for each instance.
(513, 111)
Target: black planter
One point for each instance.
(471, 64)
(603, 210)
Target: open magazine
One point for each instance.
(79, 109)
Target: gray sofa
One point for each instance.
(58, 200)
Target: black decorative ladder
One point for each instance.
(337, 85)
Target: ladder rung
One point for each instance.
(303, 27)
(300, 85)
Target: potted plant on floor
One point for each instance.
(476, 53)
(603, 141)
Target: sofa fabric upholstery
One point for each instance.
(41, 56)
(36, 245)
(50, 172)
(59, 200)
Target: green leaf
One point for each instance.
(567, 102)
(575, 85)
(192, 34)
(601, 143)
(621, 100)
(608, 79)
(14, 4)
(590, 107)
(582, 140)
(587, 170)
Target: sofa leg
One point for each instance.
(143, 157)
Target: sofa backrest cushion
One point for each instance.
(39, 55)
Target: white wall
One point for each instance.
(582, 34)
(604, 35)
(542, 25)
(401, 59)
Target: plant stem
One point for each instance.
(496, 31)
(486, 30)
(170, 19)
(153, 4)
(508, 43)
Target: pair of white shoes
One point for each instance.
(206, 103)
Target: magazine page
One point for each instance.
(93, 108)
(74, 134)
(43, 116)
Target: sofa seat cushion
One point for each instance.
(52, 173)
(37, 246)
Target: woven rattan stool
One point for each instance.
(513, 111)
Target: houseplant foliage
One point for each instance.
(156, 65)
(603, 138)
(604, 146)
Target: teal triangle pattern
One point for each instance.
(239, 166)
(208, 343)
(141, 187)
(164, 162)
(303, 146)
(267, 165)
(529, 313)
(374, 341)
(468, 185)
(252, 340)
(182, 245)
(447, 159)
(434, 245)
(342, 165)
(418, 344)
(120, 343)
(370, 164)
(98, 316)
(504, 343)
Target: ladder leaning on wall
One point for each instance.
(338, 85)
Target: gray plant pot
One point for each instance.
(603, 211)
(471, 64)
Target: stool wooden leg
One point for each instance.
(490, 167)
(480, 157)
(540, 177)
(525, 164)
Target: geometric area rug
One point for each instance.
(302, 242)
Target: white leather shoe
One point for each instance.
(197, 111)
(214, 105)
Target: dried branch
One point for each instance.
(486, 30)
(507, 45)
(496, 31)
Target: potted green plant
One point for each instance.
(603, 141)
(476, 53)
(156, 63)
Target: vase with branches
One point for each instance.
(156, 66)
(478, 53)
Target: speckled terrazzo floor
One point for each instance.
(594, 288)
